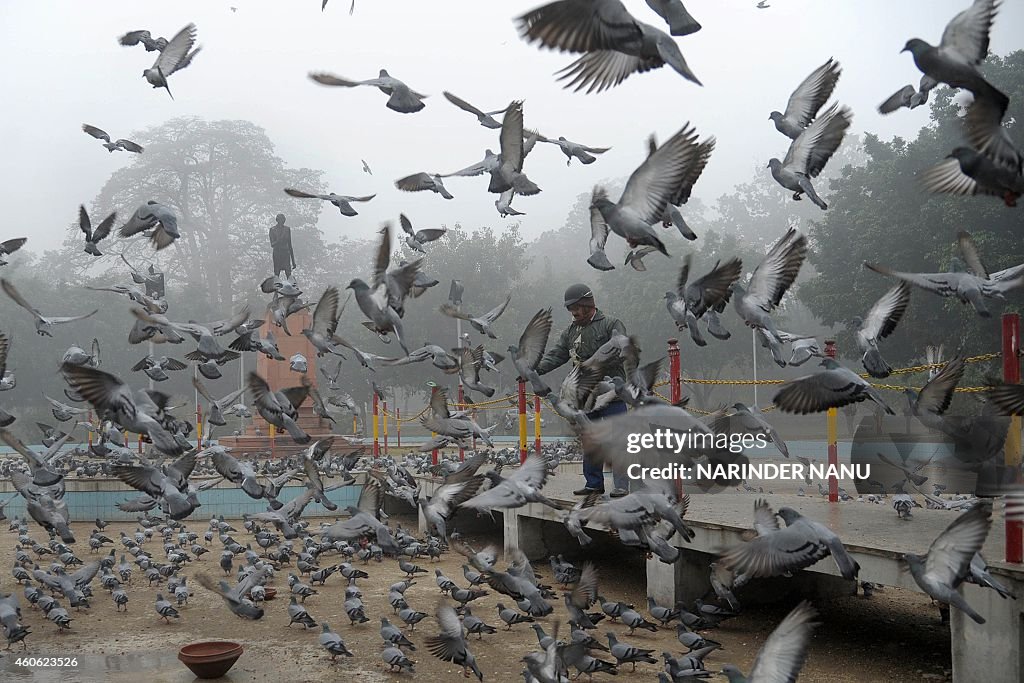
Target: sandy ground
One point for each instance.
(893, 636)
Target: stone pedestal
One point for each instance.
(279, 375)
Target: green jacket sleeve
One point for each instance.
(556, 356)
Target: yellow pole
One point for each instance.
(385, 427)
(536, 424)
(376, 427)
(199, 432)
(355, 423)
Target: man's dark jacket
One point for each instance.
(585, 341)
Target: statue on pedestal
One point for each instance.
(281, 244)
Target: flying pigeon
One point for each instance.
(415, 239)
(401, 97)
(119, 144)
(43, 323)
(156, 217)
(340, 201)
(833, 387)
(810, 96)
(809, 153)
(418, 182)
(486, 119)
(176, 55)
(8, 247)
(880, 322)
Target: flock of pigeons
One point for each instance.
(612, 45)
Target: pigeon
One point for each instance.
(749, 421)
(880, 323)
(575, 150)
(400, 97)
(176, 55)
(366, 167)
(416, 239)
(680, 22)
(990, 164)
(628, 654)
(948, 561)
(8, 247)
(43, 323)
(644, 199)
(333, 643)
(395, 658)
(691, 301)
(297, 614)
(240, 472)
(279, 408)
(474, 624)
(506, 168)
(614, 44)
(810, 96)
(156, 217)
(343, 202)
(672, 216)
(809, 153)
(519, 488)
(450, 644)
(392, 634)
(233, 597)
(447, 498)
(770, 281)
(776, 551)
(955, 59)
(482, 323)
(119, 144)
(486, 119)
(165, 609)
(155, 367)
(140, 412)
(530, 349)
(418, 182)
(216, 407)
(833, 387)
(907, 96)
(504, 204)
(784, 651)
(145, 38)
(1009, 398)
(321, 334)
(980, 575)
(298, 363)
(972, 286)
(512, 617)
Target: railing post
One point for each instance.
(1012, 450)
(830, 428)
(536, 424)
(674, 371)
(522, 421)
(385, 414)
(355, 425)
(398, 426)
(433, 453)
(462, 406)
(376, 444)
(675, 389)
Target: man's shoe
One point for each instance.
(619, 493)
(586, 491)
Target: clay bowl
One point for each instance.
(269, 593)
(210, 659)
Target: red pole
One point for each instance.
(1012, 454)
(385, 426)
(376, 445)
(675, 388)
(522, 421)
(536, 424)
(462, 406)
(833, 448)
(398, 426)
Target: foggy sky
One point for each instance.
(64, 67)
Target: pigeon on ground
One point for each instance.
(809, 153)
(418, 182)
(400, 97)
(176, 55)
(165, 609)
(343, 202)
(948, 561)
(297, 614)
(614, 44)
(120, 143)
(833, 387)
(486, 119)
(629, 654)
(333, 643)
(43, 323)
(881, 321)
(234, 598)
(159, 219)
(784, 652)
(809, 97)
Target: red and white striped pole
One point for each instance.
(376, 444)
(522, 421)
(830, 428)
(1012, 450)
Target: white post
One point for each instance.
(753, 354)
